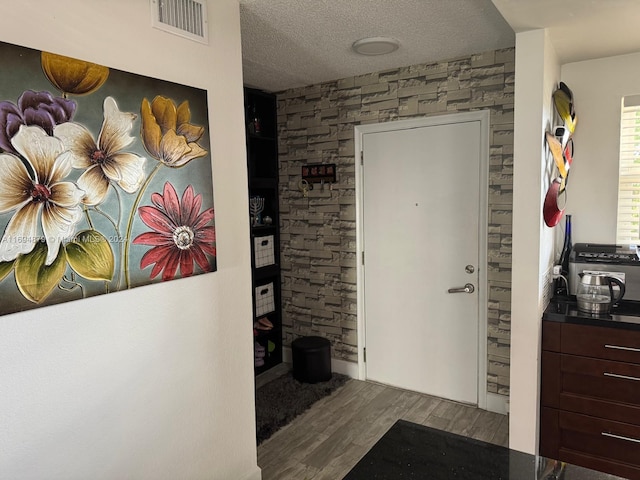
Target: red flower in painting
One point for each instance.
(180, 234)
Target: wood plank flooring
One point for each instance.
(326, 441)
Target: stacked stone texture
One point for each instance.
(318, 231)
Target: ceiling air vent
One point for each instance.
(187, 18)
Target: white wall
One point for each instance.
(537, 71)
(598, 87)
(155, 382)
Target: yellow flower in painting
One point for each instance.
(70, 75)
(167, 134)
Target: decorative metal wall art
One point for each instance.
(559, 142)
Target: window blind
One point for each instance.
(628, 223)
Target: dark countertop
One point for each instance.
(564, 309)
(412, 451)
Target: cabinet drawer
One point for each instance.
(624, 470)
(552, 446)
(602, 388)
(615, 441)
(605, 379)
(600, 342)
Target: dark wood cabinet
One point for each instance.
(264, 218)
(590, 397)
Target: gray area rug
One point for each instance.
(283, 399)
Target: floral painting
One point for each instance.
(105, 180)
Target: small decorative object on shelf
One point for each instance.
(256, 207)
(255, 121)
(254, 125)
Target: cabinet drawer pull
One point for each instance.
(617, 375)
(620, 437)
(618, 347)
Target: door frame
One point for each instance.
(452, 118)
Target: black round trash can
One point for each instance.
(311, 359)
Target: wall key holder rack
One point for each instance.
(319, 173)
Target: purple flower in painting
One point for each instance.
(33, 108)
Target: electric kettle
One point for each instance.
(595, 292)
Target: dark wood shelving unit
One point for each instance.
(262, 166)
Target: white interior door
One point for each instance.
(420, 213)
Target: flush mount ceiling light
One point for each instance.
(375, 45)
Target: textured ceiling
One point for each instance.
(291, 43)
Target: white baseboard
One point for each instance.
(497, 403)
(350, 369)
(256, 474)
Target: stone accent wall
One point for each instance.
(318, 232)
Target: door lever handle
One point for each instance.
(468, 288)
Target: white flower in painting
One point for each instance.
(104, 161)
(40, 198)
